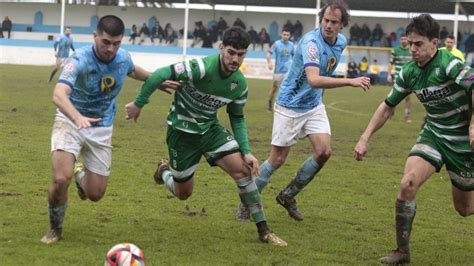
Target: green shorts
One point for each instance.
(185, 149)
(457, 155)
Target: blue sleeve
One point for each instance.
(311, 54)
(71, 71)
(56, 43)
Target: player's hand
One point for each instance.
(389, 78)
(251, 161)
(169, 86)
(362, 82)
(85, 122)
(132, 111)
(360, 149)
(56, 55)
(270, 66)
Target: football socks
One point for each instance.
(250, 197)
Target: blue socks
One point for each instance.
(266, 171)
(304, 175)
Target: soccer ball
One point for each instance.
(125, 254)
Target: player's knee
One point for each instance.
(96, 195)
(324, 156)
(61, 180)
(407, 185)
(464, 210)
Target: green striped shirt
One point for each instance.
(444, 87)
(400, 57)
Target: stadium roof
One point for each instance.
(408, 6)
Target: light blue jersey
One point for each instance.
(96, 84)
(62, 45)
(283, 53)
(312, 50)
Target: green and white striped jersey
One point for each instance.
(399, 58)
(444, 87)
(203, 92)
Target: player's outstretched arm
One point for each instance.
(317, 81)
(381, 115)
(139, 73)
(61, 100)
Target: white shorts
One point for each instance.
(94, 143)
(278, 77)
(290, 126)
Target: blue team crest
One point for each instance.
(107, 84)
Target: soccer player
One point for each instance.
(284, 51)
(194, 130)
(449, 43)
(299, 110)
(62, 45)
(85, 96)
(444, 85)
(400, 56)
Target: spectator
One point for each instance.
(170, 34)
(298, 31)
(253, 37)
(157, 32)
(207, 39)
(7, 26)
(363, 66)
(374, 72)
(133, 34)
(377, 35)
(221, 27)
(263, 38)
(352, 71)
(289, 27)
(239, 23)
(199, 33)
(355, 32)
(365, 34)
(443, 34)
(469, 47)
(144, 33)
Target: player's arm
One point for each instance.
(61, 100)
(317, 81)
(381, 115)
(139, 73)
(269, 57)
(389, 76)
(160, 79)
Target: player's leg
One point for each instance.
(185, 153)
(318, 130)
(55, 69)
(463, 201)
(417, 171)
(235, 166)
(65, 147)
(408, 109)
(271, 93)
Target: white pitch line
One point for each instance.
(331, 106)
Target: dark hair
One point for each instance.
(236, 37)
(111, 24)
(336, 4)
(424, 25)
(450, 37)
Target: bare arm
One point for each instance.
(317, 81)
(471, 126)
(381, 115)
(139, 73)
(389, 76)
(269, 60)
(61, 100)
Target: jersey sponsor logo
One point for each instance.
(426, 95)
(179, 68)
(205, 99)
(69, 67)
(285, 51)
(312, 50)
(107, 84)
(332, 62)
(233, 85)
